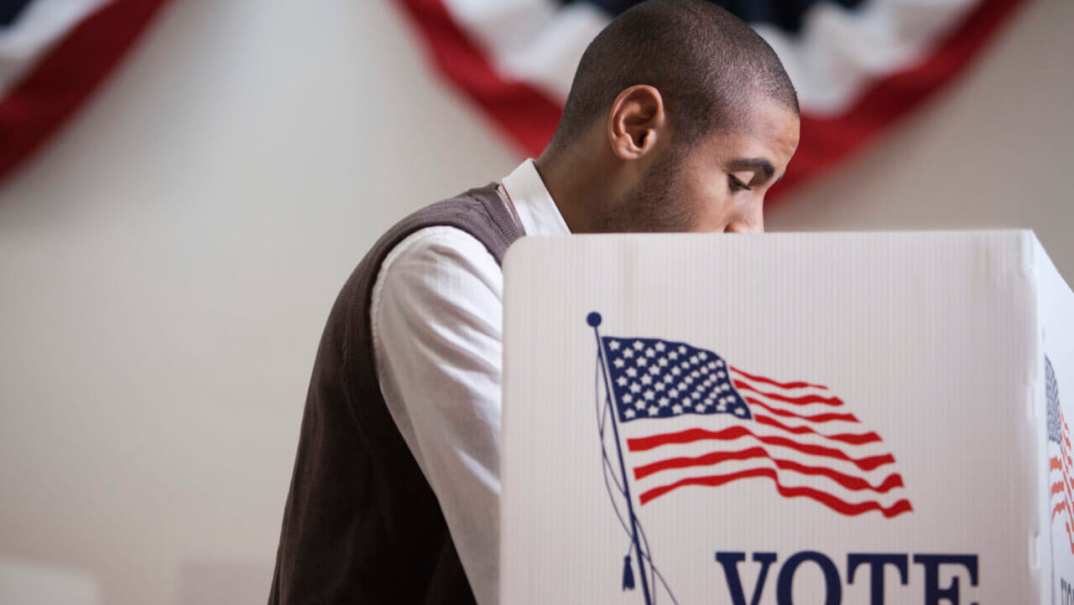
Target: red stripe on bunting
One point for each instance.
(36, 107)
(827, 141)
(529, 117)
(521, 111)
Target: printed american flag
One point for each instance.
(690, 419)
(1059, 461)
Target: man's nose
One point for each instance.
(748, 222)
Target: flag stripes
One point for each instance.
(688, 419)
(1062, 488)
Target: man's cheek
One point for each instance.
(714, 217)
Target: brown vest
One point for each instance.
(361, 523)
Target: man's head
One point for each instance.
(683, 115)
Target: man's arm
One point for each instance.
(436, 316)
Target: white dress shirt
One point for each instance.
(437, 314)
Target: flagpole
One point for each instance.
(594, 319)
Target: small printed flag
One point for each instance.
(688, 418)
(1059, 461)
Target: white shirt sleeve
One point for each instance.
(436, 317)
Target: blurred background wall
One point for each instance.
(167, 263)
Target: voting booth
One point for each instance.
(787, 418)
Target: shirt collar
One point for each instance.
(533, 203)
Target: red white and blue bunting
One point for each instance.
(858, 65)
(53, 55)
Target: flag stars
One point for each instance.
(682, 350)
(634, 388)
(638, 345)
(629, 414)
(650, 353)
(646, 379)
(654, 370)
(653, 411)
(673, 392)
(649, 395)
(621, 381)
(642, 361)
(693, 359)
(673, 355)
(631, 372)
(676, 371)
(703, 356)
(640, 404)
(618, 363)
(660, 386)
(628, 353)
(660, 346)
(614, 345)
(676, 408)
(663, 401)
(627, 398)
(662, 362)
(700, 408)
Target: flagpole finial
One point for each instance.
(593, 319)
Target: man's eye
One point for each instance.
(736, 185)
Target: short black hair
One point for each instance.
(707, 64)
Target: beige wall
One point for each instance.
(166, 265)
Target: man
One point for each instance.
(679, 119)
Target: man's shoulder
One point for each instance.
(471, 207)
(480, 213)
(447, 231)
(436, 250)
(455, 240)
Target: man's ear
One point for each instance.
(636, 121)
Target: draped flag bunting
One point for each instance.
(858, 65)
(53, 55)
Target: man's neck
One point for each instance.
(569, 179)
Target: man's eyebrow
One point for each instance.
(758, 165)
